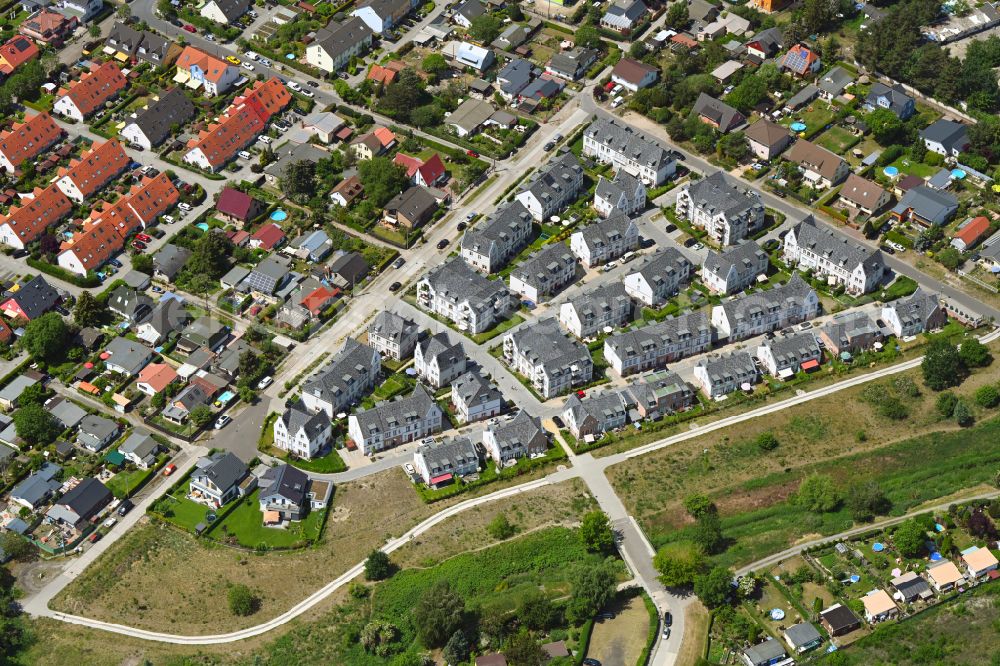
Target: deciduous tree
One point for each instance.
(942, 366)
(47, 337)
(679, 563)
(596, 533)
(438, 614)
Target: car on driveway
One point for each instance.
(668, 619)
(125, 507)
(116, 263)
(409, 469)
(395, 286)
(144, 238)
(138, 245)
(308, 93)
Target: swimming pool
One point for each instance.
(798, 127)
(891, 171)
(279, 215)
(202, 225)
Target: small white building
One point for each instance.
(301, 433)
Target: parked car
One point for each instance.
(169, 469)
(670, 228)
(558, 421)
(169, 219)
(184, 206)
(20, 253)
(139, 245)
(110, 522)
(116, 263)
(143, 237)
(157, 290)
(462, 226)
(668, 619)
(886, 249)
(294, 85)
(125, 507)
(442, 244)
(264, 383)
(399, 262)
(581, 393)
(312, 84)
(472, 153)
(233, 60)
(247, 66)
(222, 421)
(409, 469)
(190, 28)
(550, 145)
(395, 286)
(265, 62)
(209, 37)
(94, 537)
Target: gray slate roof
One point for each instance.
(724, 367)
(128, 354)
(946, 132)
(41, 483)
(668, 331)
(285, 482)
(917, 307)
(600, 407)
(517, 73)
(391, 326)
(457, 452)
(792, 347)
(225, 470)
(440, 348)
(803, 634)
(297, 418)
(541, 268)
(660, 268)
(338, 38)
(500, 227)
(897, 97)
(456, 281)
(719, 195)
(930, 204)
(834, 81)
(473, 388)
(338, 373)
(607, 231)
(792, 292)
(550, 182)
(765, 653)
(139, 443)
(624, 183)
(838, 248)
(629, 141)
(544, 343)
(607, 297)
(171, 259)
(387, 415)
(171, 109)
(520, 430)
(717, 111)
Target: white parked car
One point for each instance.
(409, 469)
(184, 206)
(264, 383)
(247, 65)
(308, 93)
(222, 421)
(110, 522)
(245, 154)
(169, 219)
(294, 85)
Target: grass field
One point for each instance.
(244, 526)
(837, 140)
(841, 436)
(621, 639)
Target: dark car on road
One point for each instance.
(442, 244)
(886, 249)
(462, 226)
(125, 507)
(395, 286)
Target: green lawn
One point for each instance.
(328, 464)
(244, 525)
(837, 140)
(499, 329)
(181, 511)
(124, 483)
(393, 385)
(911, 168)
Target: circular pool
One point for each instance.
(891, 171)
(202, 225)
(798, 127)
(279, 215)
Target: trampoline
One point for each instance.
(936, 557)
(279, 215)
(777, 614)
(855, 578)
(891, 171)
(938, 527)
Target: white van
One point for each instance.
(618, 102)
(627, 257)
(186, 207)
(245, 155)
(251, 55)
(265, 139)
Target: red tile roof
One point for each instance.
(234, 203)
(410, 163)
(96, 167)
(95, 87)
(213, 68)
(30, 220)
(432, 169)
(153, 197)
(17, 51)
(973, 231)
(268, 236)
(24, 141)
(385, 136)
(799, 59)
(381, 74)
(157, 375)
(317, 300)
(244, 120)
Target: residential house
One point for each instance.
(237, 275)
(545, 86)
(168, 262)
(702, 11)
(802, 637)
(240, 125)
(289, 154)
(605, 240)
(283, 494)
(819, 166)
(722, 375)
(920, 312)
(88, 94)
(81, 504)
(629, 150)
(910, 586)
(325, 125)
(879, 606)
(765, 44)
(786, 355)
(347, 191)
(224, 11)
(512, 37)
(767, 653)
(466, 12)
(347, 269)
(979, 562)
(268, 237)
(969, 233)
(831, 255)
(659, 277)
(386, 74)
(491, 244)
(429, 173)
(552, 362)
(799, 100)
(624, 15)
(765, 311)
(48, 26)
(945, 137)
(475, 398)
(718, 114)
(10, 393)
(126, 357)
(834, 82)
(727, 70)
(544, 273)
(155, 378)
(801, 61)
(656, 394)
(839, 620)
(140, 45)
(396, 422)
(15, 52)
(31, 300)
(302, 433)
(864, 195)
(130, 304)
(313, 246)
(514, 77)
(438, 362)
(594, 415)
(66, 412)
(383, 15)
(203, 333)
(140, 449)
(625, 193)
(727, 211)
(770, 6)
(238, 208)
(156, 122)
(197, 69)
(925, 206)
(26, 141)
(96, 432)
(220, 479)
(169, 316)
(633, 74)
(411, 209)
(33, 216)
(392, 335)
(849, 332)
(894, 98)
(944, 576)
(767, 139)
(344, 381)
(476, 57)
(34, 491)
(374, 143)
(655, 345)
(460, 294)
(589, 313)
(571, 65)
(439, 463)
(474, 114)
(520, 437)
(86, 176)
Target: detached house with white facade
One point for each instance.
(302, 433)
(521, 437)
(544, 274)
(605, 240)
(629, 150)
(594, 415)
(593, 311)
(396, 422)
(656, 345)
(475, 398)
(658, 278)
(491, 244)
(765, 311)
(551, 361)
(842, 261)
(457, 292)
(915, 314)
(786, 355)
(553, 188)
(337, 43)
(438, 362)
(727, 212)
(392, 335)
(439, 463)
